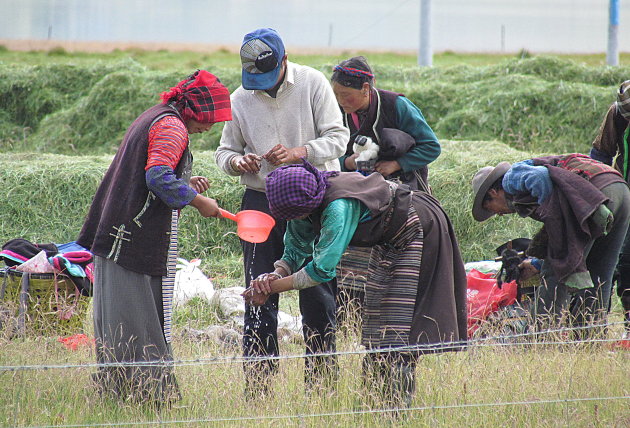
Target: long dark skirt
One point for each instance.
(128, 327)
(416, 288)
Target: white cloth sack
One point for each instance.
(191, 282)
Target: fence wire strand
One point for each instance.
(345, 413)
(493, 341)
(529, 339)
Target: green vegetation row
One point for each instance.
(540, 103)
(47, 196)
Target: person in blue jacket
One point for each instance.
(585, 208)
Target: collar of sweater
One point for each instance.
(289, 79)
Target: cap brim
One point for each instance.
(261, 81)
(478, 212)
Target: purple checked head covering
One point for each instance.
(294, 191)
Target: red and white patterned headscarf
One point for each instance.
(201, 97)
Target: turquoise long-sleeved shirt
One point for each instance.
(411, 120)
(338, 223)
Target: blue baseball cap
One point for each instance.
(261, 57)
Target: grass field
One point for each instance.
(62, 115)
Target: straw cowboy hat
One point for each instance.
(481, 182)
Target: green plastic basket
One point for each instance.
(40, 302)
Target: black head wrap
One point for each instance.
(353, 73)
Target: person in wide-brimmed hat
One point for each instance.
(131, 228)
(611, 147)
(416, 288)
(585, 208)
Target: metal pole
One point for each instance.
(330, 31)
(425, 56)
(612, 53)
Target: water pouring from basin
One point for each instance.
(251, 226)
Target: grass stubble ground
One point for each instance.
(548, 383)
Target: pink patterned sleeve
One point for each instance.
(168, 138)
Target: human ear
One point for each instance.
(366, 88)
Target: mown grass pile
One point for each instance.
(47, 196)
(540, 103)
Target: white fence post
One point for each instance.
(425, 56)
(612, 53)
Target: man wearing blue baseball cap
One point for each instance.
(283, 112)
(262, 57)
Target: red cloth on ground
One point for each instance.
(75, 341)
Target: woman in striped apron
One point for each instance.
(415, 293)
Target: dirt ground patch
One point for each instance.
(105, 47)
(94, 46)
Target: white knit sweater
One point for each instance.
(304, 113)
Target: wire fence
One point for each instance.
(396, 410)
(545, 338)
(514, 340)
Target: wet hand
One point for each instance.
(199, 184)
(254, 298)
(282, 155)
(387, 168)
(249, 163)
(262, 283)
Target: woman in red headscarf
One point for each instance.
(131, 228)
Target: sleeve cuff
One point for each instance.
(306, 147)
(284, 265)
(537, 263)
(301, 280)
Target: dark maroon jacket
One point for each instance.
(381, 115)
(577, 183)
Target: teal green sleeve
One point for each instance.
(299, 240)
(411, 121)
(339, 222)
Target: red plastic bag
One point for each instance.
(484, 297)
(75, 341)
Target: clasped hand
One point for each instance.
(259, 289)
